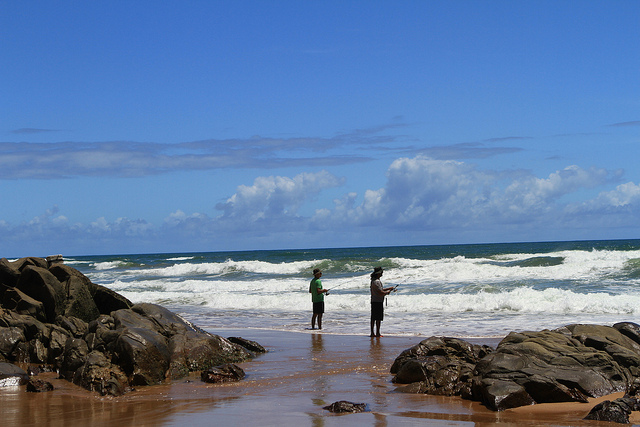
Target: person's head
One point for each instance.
(377, 273)
(317, 272)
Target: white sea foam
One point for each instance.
(230, 266)
(458, 296)
(108, 265)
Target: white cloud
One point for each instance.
(276, 197)
(423, 193)
(624, 195)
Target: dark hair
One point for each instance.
(316, 271)
(377, 272)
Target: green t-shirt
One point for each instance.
(314, 286)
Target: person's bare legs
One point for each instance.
(313, 320)
(377, 328)
(320, 321)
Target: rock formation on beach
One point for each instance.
(569, 364)
(54, 317)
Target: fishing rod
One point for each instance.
(341, 285)
(395, 288)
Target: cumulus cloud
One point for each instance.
(420, 195)
(275, 197)
(423, 193)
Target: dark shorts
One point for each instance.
(318, 307)
(377, 311)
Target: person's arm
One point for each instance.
(321, 290)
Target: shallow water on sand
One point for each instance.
(290, 385)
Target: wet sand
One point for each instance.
(301, 373)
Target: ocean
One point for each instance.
(476, 290)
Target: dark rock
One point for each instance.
(9, 340)
(616, 411)
(566, 365)
(41, 285)
(126, 318)
(344, 406)
(76, 327)
(75, 353)
(570, 364)
(143, 355)
(52, 315)
(9, 273)
(499, 395)
(37, 386)
(443, 366)
(11, 375)
(107, 300)
(23, 263)
(248, 344)
(630, 330)
(100, 375)
(57, 342)
(79, 303)
(193, 351)
(223, 373)
(16, 300)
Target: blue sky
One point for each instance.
(139, 127)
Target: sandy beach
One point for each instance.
(301, 373)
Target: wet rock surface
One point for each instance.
(52, 315)
(569, 364)
(344, 406)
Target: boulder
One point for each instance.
(499, 395)
(107, 300)
(38, 386)
(41, 285)
(80, 303)
(616, 411)
(11, 375)
(442, 366)
(143, 355)
(9, 273)
(100, 375)
(223, 373)
(16, 300)
(252, 346)
(9, 340)
(75, 353)
(344, 406)
(570, 364)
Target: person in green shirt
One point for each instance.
(317, 298)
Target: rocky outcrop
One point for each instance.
(438, 365)
(570, 364)
(53, 316)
